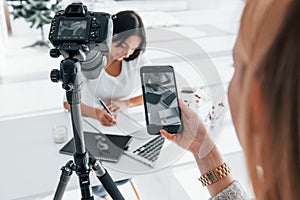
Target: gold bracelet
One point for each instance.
(215, 175)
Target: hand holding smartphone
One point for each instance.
(161, 99)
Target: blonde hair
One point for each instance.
(270, 37)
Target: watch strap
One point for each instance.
(215, 175)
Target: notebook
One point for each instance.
(104, 147)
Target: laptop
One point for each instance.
(144, 147)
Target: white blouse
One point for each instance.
(110, 87)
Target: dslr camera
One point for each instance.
(78, 30)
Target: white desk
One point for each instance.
(31, 163)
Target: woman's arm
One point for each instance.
(100, 114)
(195, 139)
(135, 101)
(210, 162)
(207, 163)
(117, 106)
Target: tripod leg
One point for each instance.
(106, 181)
(66, 172)
(86, 192)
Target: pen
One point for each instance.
(105, 107)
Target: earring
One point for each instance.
(260, 173)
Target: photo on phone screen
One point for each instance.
(161, 99)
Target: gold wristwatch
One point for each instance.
(215, 175)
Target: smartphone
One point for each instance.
(160, 99)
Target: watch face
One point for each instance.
(212, 177)
(215, 175)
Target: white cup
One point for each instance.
(60, 133)
(187, 95)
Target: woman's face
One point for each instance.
(125, 49)
(235, 89)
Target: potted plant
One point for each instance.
(38, 13)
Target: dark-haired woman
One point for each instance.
(117, 79)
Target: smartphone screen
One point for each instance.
(161, 99)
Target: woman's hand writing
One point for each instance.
(105, 118)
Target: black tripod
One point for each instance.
(69, 74)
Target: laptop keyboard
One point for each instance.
(150, 150)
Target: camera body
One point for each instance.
(76, 28)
